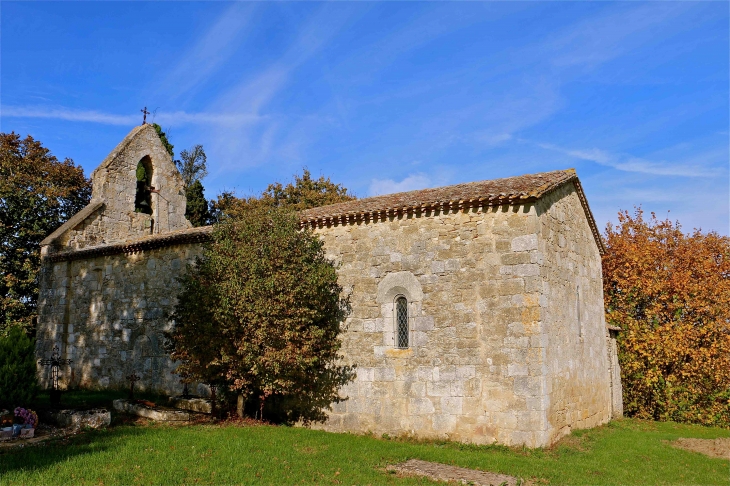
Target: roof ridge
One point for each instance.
(449, 193)
(495, 192)
(188, 235)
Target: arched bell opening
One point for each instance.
(143, 197)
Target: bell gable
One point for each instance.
(136, 191)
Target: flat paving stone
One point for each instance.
(443, 472)
(95, 418)
(162, 414)
(193, 404)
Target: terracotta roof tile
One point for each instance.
(495, 192)
(523, 187)
(189, 235)
(520, 189)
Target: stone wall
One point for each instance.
(108, 313)
(476, 369)
(114, 183)
(507, 341)
(577, 376)
(617, 399)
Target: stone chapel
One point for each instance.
(477, 309)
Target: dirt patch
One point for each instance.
(443, 472)
(42, 433)
(719, 448)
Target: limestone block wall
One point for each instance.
(114, 183)
(617, 404)
(507, 340)
(577, 370)
(473, 371)
(108, 313)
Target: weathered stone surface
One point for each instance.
(193, 404)
(153, 413)
(506, 335)
(95, 418)
(483, 336)
(114, 183)
(453, 474)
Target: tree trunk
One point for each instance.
(239, 405)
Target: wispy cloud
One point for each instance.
(92, 116)
(602, 38)
(209, 53)
(630, 163)
(68, 115)
(243, 145)
(252, 94)
(390, 186)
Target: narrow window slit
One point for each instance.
(401, 312)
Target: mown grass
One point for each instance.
(623, 452)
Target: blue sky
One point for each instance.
(385, 97)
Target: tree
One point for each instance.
(38, 193)
(225, 203)
(303, 194)
(163, 139)
(670, 294)
(268, 304)
(193, 168)
(196, 209)
(18, 381)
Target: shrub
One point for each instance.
(670, 294)
(18, 379)
(260, 313)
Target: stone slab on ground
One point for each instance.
(193, 404)
(162, 414)
(444, 472)
(710, 447)
(95, 418)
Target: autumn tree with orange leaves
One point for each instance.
(669, 292)
(38, 193)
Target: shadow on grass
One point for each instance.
(43, 455)
(86, 399)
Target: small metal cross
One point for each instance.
(55, 362)
(185, 393)
(133, 378)
(144, 119)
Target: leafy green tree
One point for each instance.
(267, 302)
(18, 381)
(38, 193)
(163, 139)
(193, 168)
(196, 209)
(225, 203)
(193, 165)
(304, 193)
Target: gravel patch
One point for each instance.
(719, 448)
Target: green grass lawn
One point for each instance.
(623, 452)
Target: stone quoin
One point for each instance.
(477, 309)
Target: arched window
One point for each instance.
(401, 322)
(143, 199)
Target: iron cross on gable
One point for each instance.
(144, 118)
